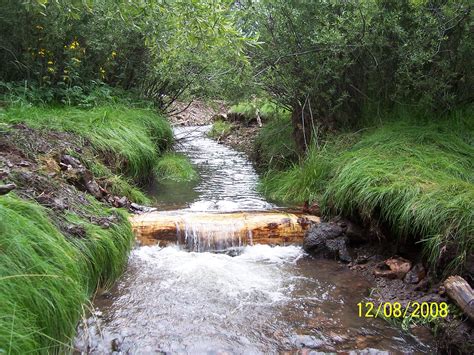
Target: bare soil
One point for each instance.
(36, 162)
(196, 112)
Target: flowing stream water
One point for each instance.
(262, 299)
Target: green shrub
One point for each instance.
(175, 167)
(220, 129)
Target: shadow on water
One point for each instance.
(171, 195)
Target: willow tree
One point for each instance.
(331, 61)
(163, 48)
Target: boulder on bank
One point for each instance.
(327, 240)
(393, 268)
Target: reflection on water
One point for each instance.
(264, 300)
(228, 181)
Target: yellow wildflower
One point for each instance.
(114, 54)
(42, 52)
(74, 44)
(50, 62)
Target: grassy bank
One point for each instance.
(58, 244)
(266, 109)
(175, 167)
(220, 129)
(418, 178)
(46, 277)
(129, 139)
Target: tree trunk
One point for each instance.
(214, 231)
(302, 128)
(461, 293)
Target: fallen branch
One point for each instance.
(461, 293)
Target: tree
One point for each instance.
(329, 61)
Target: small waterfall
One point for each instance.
(201, 236)
(203, 231)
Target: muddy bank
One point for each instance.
(397, 273)
(51, 168)
(195, 112)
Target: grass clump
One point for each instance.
(130, 139)
(220, 129)
(274, 145)
(418, 179)
(268, 110)
(175, 167)
(45, 277)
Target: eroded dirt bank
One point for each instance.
(51, 168)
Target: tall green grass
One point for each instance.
(46, 277)
(274, 145)
(175, 167)
(417, 178)
(130, 139)
(220, 129)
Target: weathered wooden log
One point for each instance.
(4, 189)
(461, 293)
(213, 231)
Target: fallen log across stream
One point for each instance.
(201, 231)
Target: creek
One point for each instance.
(248, 300)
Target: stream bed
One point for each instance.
(258, 299)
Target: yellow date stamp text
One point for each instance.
(395, 310)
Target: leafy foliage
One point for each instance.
(330, 60)
(72, 46)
